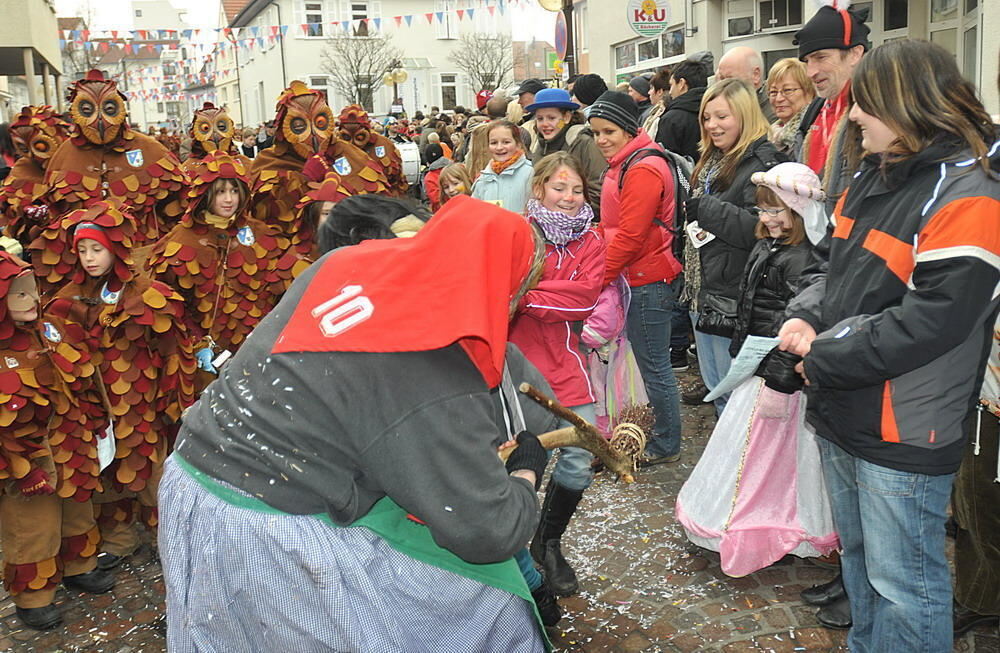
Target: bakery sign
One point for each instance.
(648, 17)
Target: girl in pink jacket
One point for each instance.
(546, 328)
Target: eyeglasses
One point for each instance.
(770, 212)
(787, 92)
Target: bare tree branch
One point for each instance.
(356, 65)
(488, 59)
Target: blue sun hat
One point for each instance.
(552, 98)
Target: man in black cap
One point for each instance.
(638, 90)
(586, 89)
(831, 44)
(526, 92)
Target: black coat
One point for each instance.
(729, 215)
(679, 129)
(770, 280)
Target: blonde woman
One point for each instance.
(721, 214)
(790, 92)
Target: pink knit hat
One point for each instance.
(796, 184)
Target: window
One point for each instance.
(580, 26)
(970, 53)
(625, 55)
(943, 10)
(894, 14)
(313, 13)
(947, 39)
(449, 91)
(770, 58)
(672, 43)
(159, 107)
(448, 27)
(138, 13)
(780, 13)
(649, 50)
(359, 11)
(741, 26)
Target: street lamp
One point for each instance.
(396, 75)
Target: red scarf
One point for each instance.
(451, 283)
(821, 132)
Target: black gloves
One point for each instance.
(779, 372)
(530, 455)
(691, 209)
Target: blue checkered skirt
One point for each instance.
(241, 580)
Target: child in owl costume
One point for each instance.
(211, 130)
(230, 268)
(49, 461)
(137, 330)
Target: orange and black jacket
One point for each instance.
(903, 295)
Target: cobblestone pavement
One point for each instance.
(643, 586)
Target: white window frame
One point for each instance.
(453, 84)
(759, 26)
(302, 17)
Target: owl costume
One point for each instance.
(104, 159)
(37, 132)
(356, 129)
(212, 130)
(230, 272)
(48, 453)
(138, 333)
(303, 127)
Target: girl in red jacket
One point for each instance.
(546, 328)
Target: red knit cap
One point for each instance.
(91, 231)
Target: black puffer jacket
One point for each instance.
(680, 130)
(770, 280)
(728, 214)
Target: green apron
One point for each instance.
(390, 522)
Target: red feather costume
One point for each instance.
(231, 274)
(211, 130)
(143, 348)
(105, 159)
(37, 132)
(48, 450)
(303, 127)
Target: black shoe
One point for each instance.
(106, 561)
(548, 608)
(93, 582)
(648, 461)
(44, 618)
(964, 620)
(559, 576)
(679, 360)
(825, 593)
(695, 396)
(836, 616)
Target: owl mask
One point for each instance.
(98, 109)
(213, 129)
(37, 132)
(355, 127)
(304, 120)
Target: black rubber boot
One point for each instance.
(96, 581)
(43, 618)
(548, 609)
(560, 504)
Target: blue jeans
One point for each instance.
(891, 526)
(648, 328)
(713, 360)
(572, 470)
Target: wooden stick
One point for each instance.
(582, 434)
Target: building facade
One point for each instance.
(605, 44)
(424, 39)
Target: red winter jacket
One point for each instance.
(543, 328)
(638, 247)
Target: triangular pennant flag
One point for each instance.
(378, 24)
(440, 16)
(430, 18)
(305, 29)
(470, 13)
(408, 19)
(114, 34)
(260, 42)
(461, 13)
(347, 26)
(398, 19)
(284, 29)
(256, 30)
